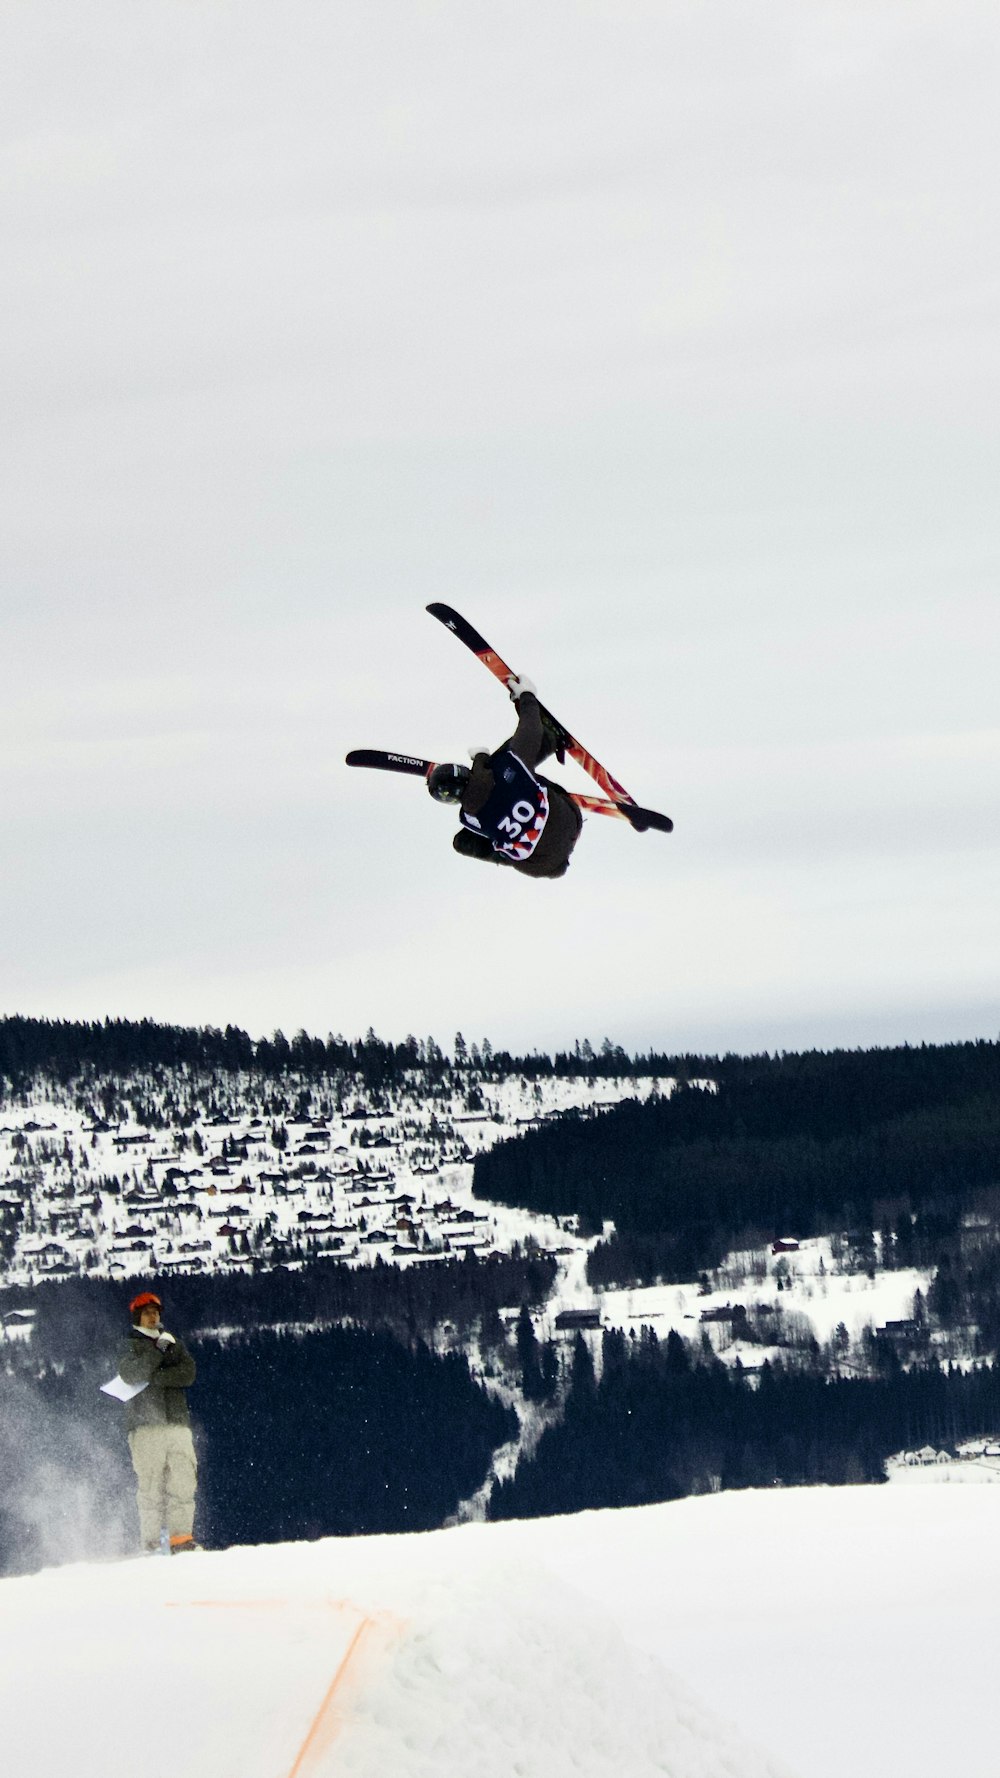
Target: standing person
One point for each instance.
(159, 1427)
(509, 814)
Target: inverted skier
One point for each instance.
(509, 814)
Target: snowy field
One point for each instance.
(816, 1289)
(809, 1633)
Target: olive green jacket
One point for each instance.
(168, 1376)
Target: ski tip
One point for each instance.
(644, 820)
(389, 762)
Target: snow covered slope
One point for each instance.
(845, 1630)
(182, 1187)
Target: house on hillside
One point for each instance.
(904, 1337)
(175, 1176)
(52, 1256)
(17, 1324)
(785, 1244)
(569, 1320)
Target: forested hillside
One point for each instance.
(659, 1424)
(382, 1255)
(764, 1146)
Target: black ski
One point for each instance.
(390, 762)
(408, 763)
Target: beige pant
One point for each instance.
(167, 1472)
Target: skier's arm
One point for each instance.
(528, 739)
(480, 786)
(475, 845)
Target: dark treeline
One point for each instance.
(902, 1079)
(410, 1301)
(342, 1433)
(965, 1292)
(658, 1427)
(67, 1049)
(791, 1144)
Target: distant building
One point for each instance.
(577, 1318)
(903, 1333)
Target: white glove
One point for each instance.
(164, 1341)
(518, 686)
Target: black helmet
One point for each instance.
(447, 783)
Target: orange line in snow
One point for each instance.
(324, 1727)
(320, 1726)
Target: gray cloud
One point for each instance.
(663, 343)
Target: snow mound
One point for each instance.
(541, 1686)
(617, 1641)
(447, 1654)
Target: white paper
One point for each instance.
(121, 1390)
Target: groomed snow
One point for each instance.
(788, 1634)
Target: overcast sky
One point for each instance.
(659, 338)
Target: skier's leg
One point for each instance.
(559, 836)
(146, 1444)
(181, 1482)
(574, 813)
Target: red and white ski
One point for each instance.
(621, 803)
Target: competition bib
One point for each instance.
(514, 815)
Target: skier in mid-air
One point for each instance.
(509, 814)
